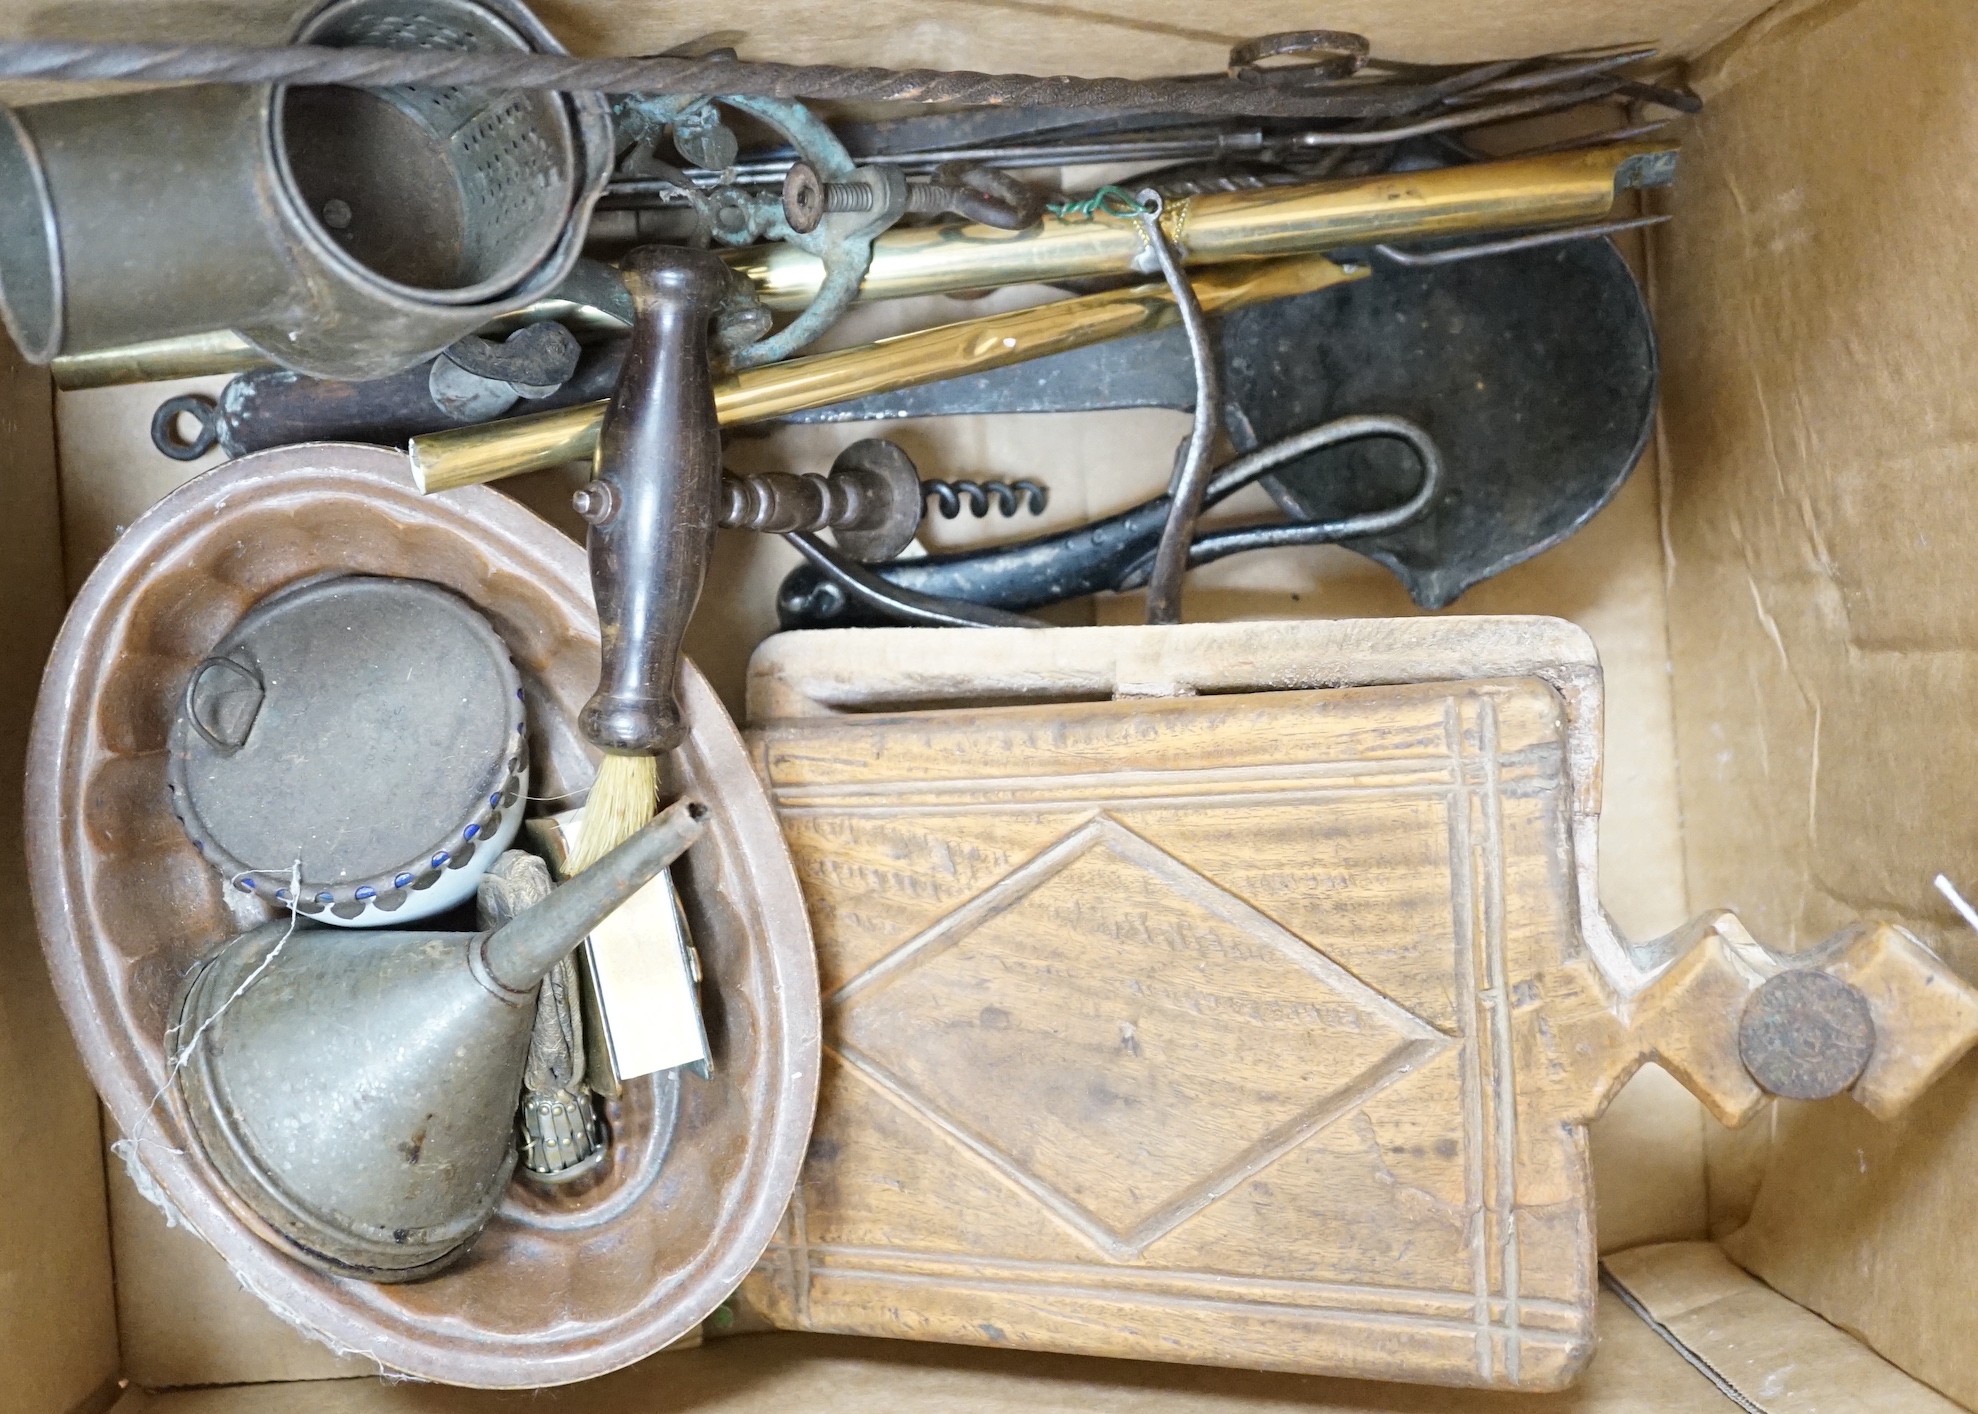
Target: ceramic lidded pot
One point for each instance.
(364, 734)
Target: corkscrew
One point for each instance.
(1008, 496)
(1113, 553)
(871, 500)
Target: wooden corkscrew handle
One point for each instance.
(652, 502)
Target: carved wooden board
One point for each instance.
(1183, 1027)
(1249, 1028)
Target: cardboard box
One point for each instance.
(1779, 602)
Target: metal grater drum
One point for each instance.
(482, 182)
(345, 233)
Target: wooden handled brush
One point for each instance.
(651, 506)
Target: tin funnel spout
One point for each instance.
(360, 1094)
(521, 952)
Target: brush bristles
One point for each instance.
(624, 797)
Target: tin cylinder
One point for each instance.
(342, 232)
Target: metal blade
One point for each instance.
(1534, 371)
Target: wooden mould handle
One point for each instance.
(1872, 1011)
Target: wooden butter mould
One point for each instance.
(1241, 1027)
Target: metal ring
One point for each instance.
(990, 196)
(1245, 469)
(1341, 53)
(206, 665)
(165, 426)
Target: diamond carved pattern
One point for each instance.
(1121, 1088)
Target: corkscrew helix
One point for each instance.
(1008, 496)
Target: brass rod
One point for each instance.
(1561, 188)
(466, 455)
(223, 351)
(185, 356)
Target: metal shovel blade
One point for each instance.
(1535, 373)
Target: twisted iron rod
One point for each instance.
(368, 68)
(361, 67)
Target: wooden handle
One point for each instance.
(1872, 1012)
(652, 504)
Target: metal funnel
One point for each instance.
(357, 1090)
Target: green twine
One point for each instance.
(1111, 200)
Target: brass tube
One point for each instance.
(1557, 189)
(1560, 188)
(466, 455)
(223, 351)
(186, 356)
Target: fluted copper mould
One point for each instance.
(700, 1170)
(1553, 189)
